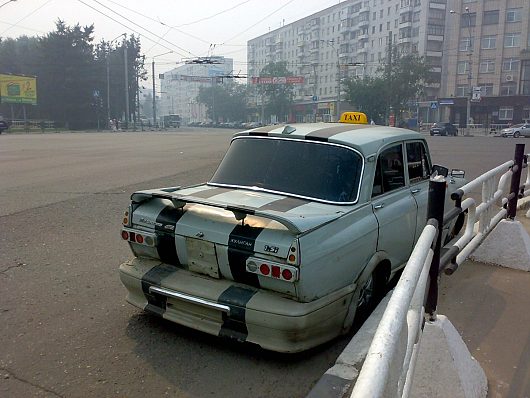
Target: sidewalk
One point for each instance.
(490, 307)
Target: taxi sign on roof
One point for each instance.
(353, 118)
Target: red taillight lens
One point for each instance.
(139, 238)
(287, 274)
(276, 271)
(125, 235)
(264, 269)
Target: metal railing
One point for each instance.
(388, 369)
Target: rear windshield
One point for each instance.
(301, 168)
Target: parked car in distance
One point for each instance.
(300, 228)
(516, 131)
(4, 125)
(443, 129)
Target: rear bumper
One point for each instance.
(227, 309)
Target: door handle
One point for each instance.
(417, 190)
(379, 206)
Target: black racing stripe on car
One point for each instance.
(208, 193)
(156, 303)
(259, 134)
(328, 132)
(236, 297)
(264, 129)
(240, 247)
(166, 222)
(284, 205)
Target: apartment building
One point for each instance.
(180, 87)
(487, 59)
(468, 44)
(350, 38)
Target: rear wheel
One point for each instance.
(516, 134)
(372, 291)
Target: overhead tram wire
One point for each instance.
(176, 28)
(147, 30)
(260, 21)
(23, 18)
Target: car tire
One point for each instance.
(371, 292)
(516, 134)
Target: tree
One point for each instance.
(226, 101)
(278, 97)
(396, 85)
(366, 95)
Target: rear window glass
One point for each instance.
(301, 168)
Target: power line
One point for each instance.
(23, 18)
(12, 25)
(257, 23)
(141, 27)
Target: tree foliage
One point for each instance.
(226, 101)
(72, 74)
(278, 97)
(396, 85)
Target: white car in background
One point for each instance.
(516, 131)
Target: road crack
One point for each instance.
(8, 373)
(17, 265)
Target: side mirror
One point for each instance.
(458, 173)
(441, 170)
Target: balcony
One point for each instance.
(363, 23)
(362, 50)
(435, 37)
(363, 36)
(433, 53)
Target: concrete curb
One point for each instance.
(508, 245)
(339, 380)
(445, 367)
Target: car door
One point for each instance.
(394, 206)
(418, 174)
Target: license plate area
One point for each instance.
(202, 257)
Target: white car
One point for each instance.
(299, 227)
(516, 131)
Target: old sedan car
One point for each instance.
(516, 131)
(299, 227)
(443, 129)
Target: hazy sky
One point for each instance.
(189, 28)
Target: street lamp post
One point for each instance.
(469, 74)
(154, 93)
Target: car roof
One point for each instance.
(367, 139)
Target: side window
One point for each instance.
(417, 162)
(389, 172)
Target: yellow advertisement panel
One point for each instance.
(16, 89)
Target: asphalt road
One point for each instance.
(66, 330)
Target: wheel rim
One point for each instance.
(516, 134)
(367, 292)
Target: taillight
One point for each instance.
(127, 217)
(293, 256)
(140, 237)
(272, 269)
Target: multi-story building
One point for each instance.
(487, 62)
(350, 38)
(354, 37)
(180, 87)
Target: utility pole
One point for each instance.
(154, 92)
(126, 85)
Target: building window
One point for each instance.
(513, 15)
(487, 66)
(526, 114)
(506, 113)
(468, 19)
(491, 17)
(462, 67)
(466, 44)
(461, 90)
(508, 89)
(510, 65)
(486, 89)
(488, 42)
(512, 40)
